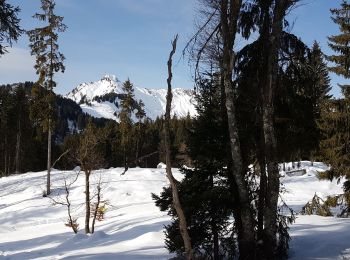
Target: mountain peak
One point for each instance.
(108, 77)
(95, 99)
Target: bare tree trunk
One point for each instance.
(176, 200)
(48, 181)
(18, 147)
(269, 130)
(87, 201)
(262, 189)
(72, 222)
(229, 17)
(9, 164)
(5, 155)
(96, 207)
(138, 144)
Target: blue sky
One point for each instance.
(131, 38)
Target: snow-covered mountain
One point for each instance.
(102, 99)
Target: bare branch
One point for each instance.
(59, 158)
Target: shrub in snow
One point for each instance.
(72, 223)
(316, 206)
(333, 206)
(99, 210)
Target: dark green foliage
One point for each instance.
(15, 117)
(43, 43)
(125, 125)
(335, 143)
(204, 191)
(9, 25)
(18, 131)
(334, 123)
(340, 43)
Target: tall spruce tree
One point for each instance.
(44, 45)
(9, 25)
(125, 124)
(140, 115)
(334, 123)
(340, 44)
(204, 191)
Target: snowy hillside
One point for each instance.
(32, 228)
(86, 95)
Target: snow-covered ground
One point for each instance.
(32, 228)
(315, 237)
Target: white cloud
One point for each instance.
(17, 66)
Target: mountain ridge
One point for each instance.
(101, 99)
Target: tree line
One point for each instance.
(265, 103)
(258, 106)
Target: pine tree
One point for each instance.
(9, 25)
(340, 44)
(125, 120)
(334, 123)
(204, 190)
(140, 115)
(43, 43)
(319, 70)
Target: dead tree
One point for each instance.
(72, 222)
(96, 209)
(175, 195)
(89, 158)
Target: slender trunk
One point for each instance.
(138, 144)
(215, 242)
(87, 201)
(96, 208)
(9, 164)
(72, 222)
(176, 200)
(262, 190)
(49, 132)
(48, 176)
(269, 130)
(5, 155)
(18, 147)
(273, 185)
(229, 18)
(214, 227)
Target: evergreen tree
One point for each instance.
(140, 115)
(334, 123)
(9, 25)
(43, 43)
(125, 124)
(340, 44)
(204, 190)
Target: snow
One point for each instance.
(154, 99)
(101, 110)
(161, 165)
(315, 237)
(301, 189)
(32, 228)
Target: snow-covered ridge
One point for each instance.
(154, 99)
